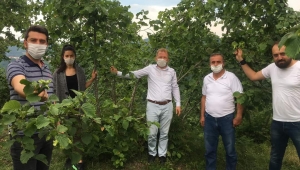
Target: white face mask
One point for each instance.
(36, 51)
(216, 69)
(161, 62)
(69, 61)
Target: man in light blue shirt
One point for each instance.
(162, 83)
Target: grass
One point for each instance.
(251, 156)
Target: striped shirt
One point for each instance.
(162, 83)
(32, 72)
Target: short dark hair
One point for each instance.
(214, 54)
(275, 43)
(37, 28)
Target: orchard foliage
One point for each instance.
(73, 125)
(4, 90)
(103, 34)
(251, 25)
(16, 15)
(108, 119)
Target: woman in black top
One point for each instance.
(70, 76)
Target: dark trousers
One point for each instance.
(213, 128)
(281, 132)
(41, 147)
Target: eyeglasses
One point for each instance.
(281, 54)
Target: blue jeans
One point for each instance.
(163, 115)
(280, 134)
(214, 127)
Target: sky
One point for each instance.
(154, 6)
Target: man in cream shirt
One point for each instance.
(162, 84)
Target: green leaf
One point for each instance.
(8, 119)
(262, 46)
(25, 82)
(234, 45)
(97, 120)
(11, 106)
(89, 110)
(42, 158)
(153, 123)
(77, 93)
(8, 143)
(75, 157)
(30, 111)
(42, 121)
(292, 46)
(30, 128)
(54, 110)
(72, 131)
(109, 129)
(67, 102)
(53, 98)
(25, 156)
(32, 98)
(28, 89)
(61, 128)
(284, 39)
(117, 117)
(236, 94)
(86, 138)
(96, 137)
(63, 141)
(28, 143)
(125, 124)
(2, 127)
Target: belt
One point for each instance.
(159, 103)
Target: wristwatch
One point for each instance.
(243, 62)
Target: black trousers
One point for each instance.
(41, 147)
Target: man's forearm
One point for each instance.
(202, 106)
(240, 110)
(202, 111)
(248, 71)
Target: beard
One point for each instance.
(283, 63)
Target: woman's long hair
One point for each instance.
(63, 65)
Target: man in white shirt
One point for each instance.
(162, 83)
(217, 112)
(285, 78)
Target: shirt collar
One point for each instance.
(224, 76)
(31, 63)
(167, 68)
